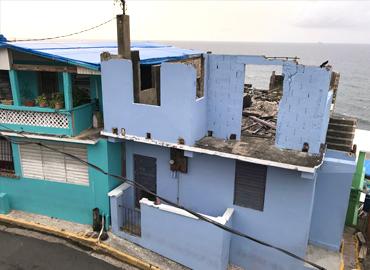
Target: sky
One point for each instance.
(192, 20)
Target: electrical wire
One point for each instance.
(67, 35)
(143, 188)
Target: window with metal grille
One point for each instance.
(42, 163)
(250, 183)
(6, 156)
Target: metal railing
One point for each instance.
(131, 220)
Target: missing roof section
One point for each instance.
(263, 90)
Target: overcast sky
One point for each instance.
(263, 21)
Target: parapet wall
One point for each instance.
(304, 108)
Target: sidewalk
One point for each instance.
(116, 247)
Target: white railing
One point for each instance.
(34, 118)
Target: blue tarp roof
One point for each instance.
(88, 54)
(367, 167)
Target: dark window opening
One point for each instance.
(146, 77)
(200, 77)
(48, 83)
(147, 84)
(80, 89)
(5, 88)
(250, 184)
(6, 157)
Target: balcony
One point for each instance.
(47, 120)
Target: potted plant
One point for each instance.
(7, 101)
(42, 101)
(28, 99)
(29, 103)
(57, 101)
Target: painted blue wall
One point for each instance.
(225, 95)
(304, 108)
(180, 114)
(200, 245)
(61, 200)
(331, 199)
(208, 188)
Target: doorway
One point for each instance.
(145, 174)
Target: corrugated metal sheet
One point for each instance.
(88, 54)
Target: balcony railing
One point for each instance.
(47, 120)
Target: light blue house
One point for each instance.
(183, 137)
(173, 122)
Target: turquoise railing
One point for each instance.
(46, 120)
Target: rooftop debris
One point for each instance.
(260, 108)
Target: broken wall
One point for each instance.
(226, 77)
(304, 108)
(225, 95)
(180, 115)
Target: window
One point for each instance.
(5, 90)
(48, 83)
(80, 89)
(41, 163)
(263, 89)
(6, 157)
(147, 84)
(250, 183)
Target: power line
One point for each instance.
(67, 35)
(143, 188)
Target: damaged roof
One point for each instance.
(88, 54)
(261, 149)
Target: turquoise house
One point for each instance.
(66, 116)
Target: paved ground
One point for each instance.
(24, 253)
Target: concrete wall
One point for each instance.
(208, 188)
(61, 200)
(304, 108)
(285, 222)
(226, 75)
(200, 245)
(180, 114)
(225, 95)
(331, 199)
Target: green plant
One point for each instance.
(41, 100)
(57, 97)
(80, 97)
(57, 100)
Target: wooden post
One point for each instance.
(123, 36)
(67, 86)
(14, 83)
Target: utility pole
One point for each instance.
(123, 33)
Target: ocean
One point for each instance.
(352, 61)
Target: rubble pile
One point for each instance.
(260, 108)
